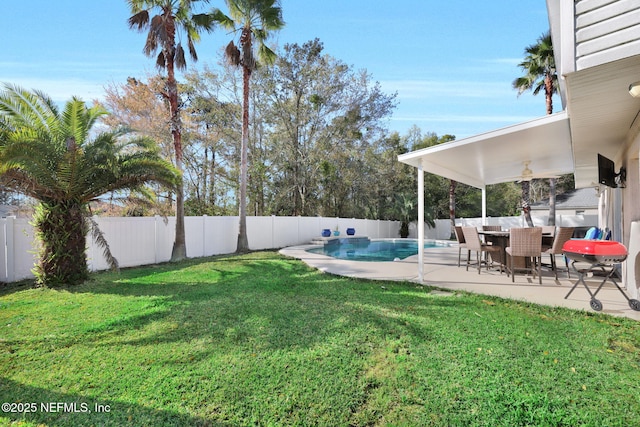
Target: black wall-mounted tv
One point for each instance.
(606, 171)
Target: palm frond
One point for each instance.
(158, 28)
(271, 16)
(74, 121)
(222, 19)
(139, 21)
(192, 49)
(98, 236)
(538, 64)
(180, 61)
(160, 60)
(151, 44)
(267, 55)
(205, 21)
(24, 108)
(126, 165)
(232, 54)
(23, 183)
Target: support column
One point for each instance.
(420, 223)
(484, 206)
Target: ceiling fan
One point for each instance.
(527, 174)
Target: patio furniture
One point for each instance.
(490, 228)
(525, 242)
(461, 243)
(548, 233)
(472, 239)
(561, 236)
(549, 230)
(498, 239)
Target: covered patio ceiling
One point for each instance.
(543, 145)
(602, 113)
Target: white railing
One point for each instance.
(519, 221)
(148, 240)
(442, 230)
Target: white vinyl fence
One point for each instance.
(148, 240)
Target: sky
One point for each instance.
(451, 62)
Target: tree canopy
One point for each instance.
(318, 142)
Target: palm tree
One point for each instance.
(53, 157)
(250, 20)
(540, 68)
(173, 16)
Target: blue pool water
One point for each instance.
(363, 249)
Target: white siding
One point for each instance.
(606, 31)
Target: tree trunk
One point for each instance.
(205, 175)
(552, 202)
(548, 90)
(243, 242)
(61, 229)
(526, 204)
(179, 251)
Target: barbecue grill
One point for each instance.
(601, 255)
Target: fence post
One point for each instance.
(204, 235)
(3, 250)
(273, 232)
(156, 244)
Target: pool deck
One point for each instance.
(441, 270)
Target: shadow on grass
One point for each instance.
(47, 407)
(258, 299)
(13, 287)
(203, 313)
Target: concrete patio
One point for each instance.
(441, 270)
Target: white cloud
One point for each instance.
(60, 90)
(462, 118)
(503, 61)
(422, 89)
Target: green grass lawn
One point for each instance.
(264, 340)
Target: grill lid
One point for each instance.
(595, 250)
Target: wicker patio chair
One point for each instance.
(562, 235)
(473, 242)
(549, 230)
(525, 242)
(461, 243)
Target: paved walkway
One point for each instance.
(441, 270)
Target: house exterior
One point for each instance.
(597, 54)
(581, 201)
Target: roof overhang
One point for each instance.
(500, 155)
(602, 115)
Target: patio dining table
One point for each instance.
(501, 239)
(497, 238)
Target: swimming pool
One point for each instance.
(363, 249)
